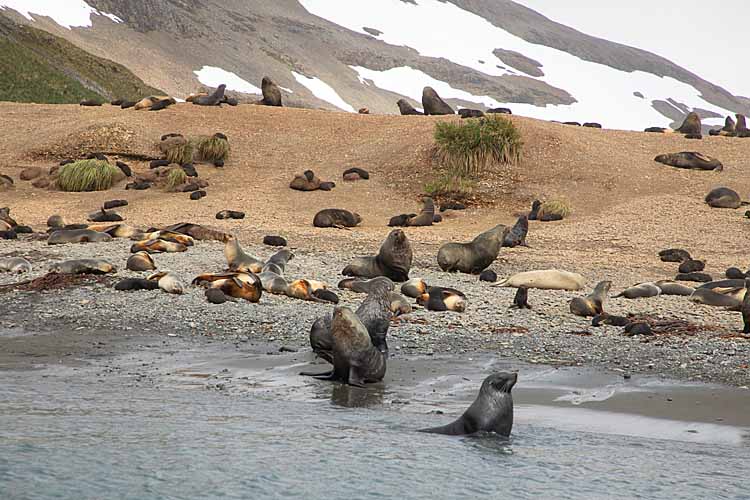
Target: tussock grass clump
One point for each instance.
(212, 149)
(555, 207)
(469, 147)
(87, 175)
(446, 185)
(180, 153)
(175, 177)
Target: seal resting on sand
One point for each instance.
(491, 411)
(393, 260)
(407, 109)
(433, 104)
(271, 93)
(690, 160)
(723, 197)
(475, 256)
(691, 125)
(307, 181)
(728, 130)
(593, 303)
(336, 217)
(213, 99)
(77, 236)
(83, 266)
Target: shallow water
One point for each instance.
(78, 436)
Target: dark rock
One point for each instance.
(158, 163)
(274, 241)
(30, 173)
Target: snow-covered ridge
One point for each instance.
(212, 76)
(322, 91)
(603, 93)
(66, 13)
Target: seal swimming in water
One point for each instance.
(491, 411)
(517, 234)
(83, 266)
(433, 104)
(640, 291)
(475, 256)
(593, 303)
(15, 265)
(213, 99)
(356, 361)
(547, 279)
(393, 260)
(723, 197)
(63, 236)
(690, 160)
(336, 217)
(238, 260)
(140, 261)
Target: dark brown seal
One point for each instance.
(475, 256)
(392, 261)
(691, 125)
(407, 109)
(723, 197)
(433, 104)
(690, 160)
(213, 99)
(271, 93)
(592, 304)
(336, 217)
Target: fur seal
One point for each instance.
(213, 99)
(407, 109)
(669, 287)
(336, 217)
(127, 104)
(141, 261)
(327, 186)
(394, 260)
(134, 284)
(326, 296)
(730, 297)
(161, 104)
(592, 125)
(271, 93)
(197, 195)
(690, 160)
(723, 197)
(674, 255)
(90, 102)
(728, 130)
(83, 266)
(433, 104)
(740, 128)
(470, 113)
(491, 411)
(609, 319)
(363, 174)
(488, 275)
(168, 282)
(238, 285)
(691, 125)
(501, 111)
(360, 285)
(198, 232)
(307, 181)
(548, 279)
(517, 234)
(593, 303)
(356, 361)
(172, 236)
(745, 308)
(475, 256)
(443, 299)
(189, 170)
(640, 291)
(215, 296)
(15, 265)
(425, 218)
(230, 214)
(735, 273)
(657, 130)
(691, 266)
(114, 204)
(274, 241)
(238, 260)
(138, 185)
(638, 328)
(521, 299)
(77, 236)
(414, 288)
(699, 277)
(400, 220)
(157, 246)
(105, 216)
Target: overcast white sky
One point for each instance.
(707, 37)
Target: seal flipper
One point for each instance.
(459, 427)
(321, 376)
(355, 379)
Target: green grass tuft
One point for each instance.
(555, 207)
(180, 154)
(87, 175)
(469, 147)
(175, 177)
(212, 149)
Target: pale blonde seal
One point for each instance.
(546, 279)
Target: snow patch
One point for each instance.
(602, 93)
(322, 91)
(66, 13)
(286, 89)
(212, 76)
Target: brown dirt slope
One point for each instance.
(626, 206)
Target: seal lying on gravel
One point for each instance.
(198, 232)
(356, 361)
(238, 260)
(240, 285)
(361, 285)
(134, 284)
(592, 304)
(669, 287)
(157, 246)
(230, 214)
(168, 282)
(723, 197)
(491, 411)
(547, 279)
(77, 236)
(336, 217)
(730, 298)
(640, 291)
(475, 256)
(392, 261)
(83, 266)
(182, 239)
(15, 265)
(141, 261)
(443, 299)
(690, 160)
(517, 234)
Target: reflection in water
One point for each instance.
(356, 397)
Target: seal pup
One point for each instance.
(401, 220)
(690, 160)
(517, 234)
(211, 100)
(157, 246)
(426, 217)
(105, 216)
(488, 275)
(238, 260)
(691, 266)
(274, 241)
(547, 279)
(593, 303)
(414, 288)
(134, 284)
(637, 328)
(140, 261)
(336, 217)
(15, 265)
(63, 236)
(609, 319)
(699, 277)
(674, 255)
(723, 197)
(83, 266)
(735, 273)
(407, 109)
(443, 299)
(433, 104)
(108, 205)
(521, 299)
(182, 239)
(394, 260)
(475, 256)
(491, 411)
(230, 214)
(640, 291)
(168, 282)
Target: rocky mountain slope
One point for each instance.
(365, 53)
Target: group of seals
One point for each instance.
(732, 128)
(426, 217)
(308, 181)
